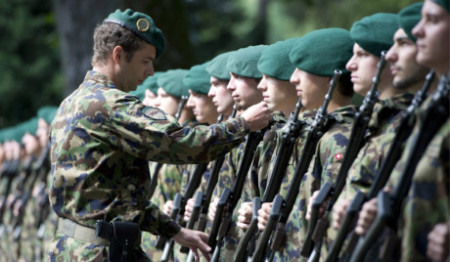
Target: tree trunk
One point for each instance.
(76, 21)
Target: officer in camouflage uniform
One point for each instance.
(102, 139)
(425, 221)
(311, 78)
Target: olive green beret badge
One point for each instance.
(142, 25)
(153, 113)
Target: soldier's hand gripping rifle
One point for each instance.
(290, 133)
(282, 209)
(395, 151)
(202, 200)
(229, 198)
(390, 205)
(154, 181)
(179, 207)
(331, 192)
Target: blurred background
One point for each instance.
(46, 45)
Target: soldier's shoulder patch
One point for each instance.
(154, 113)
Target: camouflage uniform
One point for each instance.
(427, 202)
(381, 131)
(101, 142)
(323, 168)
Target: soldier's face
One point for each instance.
(42, 132)
(132, 73)
(244, 91)
(363, 67)
(432, 33)
(202, 107)
(31, 144)
(221, 96)
(166, 102)
(150, 98)
(277, 94)
(402, 59)
(311, 88)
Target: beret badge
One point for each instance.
(142, 25)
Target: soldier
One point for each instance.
(244, 79)
(102, 139)
(311, 78)
(427, 201)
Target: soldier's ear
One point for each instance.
(117, 54)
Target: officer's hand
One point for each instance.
(438, 242)
(167, 208)
(245, 215)
(257, 116)
(339, 210)
(188, 209)
(212, 209)
(194, 240)
(264, 215)
(367, 216)
(309, 210)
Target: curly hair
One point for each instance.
(109, 35)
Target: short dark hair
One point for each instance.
(109, 35)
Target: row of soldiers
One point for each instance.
(323, 149)
(27, 224)
(321, 158)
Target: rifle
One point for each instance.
(332, 192)
(389, 205)
(10, 170)
(281, 211)
(403, 131)
(180, 205)
(41, 163)
(202, 201)
(154, 180)
(229, 199)
(290, 132)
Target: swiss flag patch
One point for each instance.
(338, 156)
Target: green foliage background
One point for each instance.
(197, 30)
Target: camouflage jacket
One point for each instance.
(427, 203)
(101, 142)
(323, 167)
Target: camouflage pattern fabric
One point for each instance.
(101, 142)
(323, 167)
(427, 202)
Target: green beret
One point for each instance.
(443, 3)
(374, 33)
(140, 24)
(172, 82)
(47, 113)
(409, 17)
(218, 66)
(244, 61)
(151, 83)
(18, 131)
(197, 79)
(322, 51)
(274, 60)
